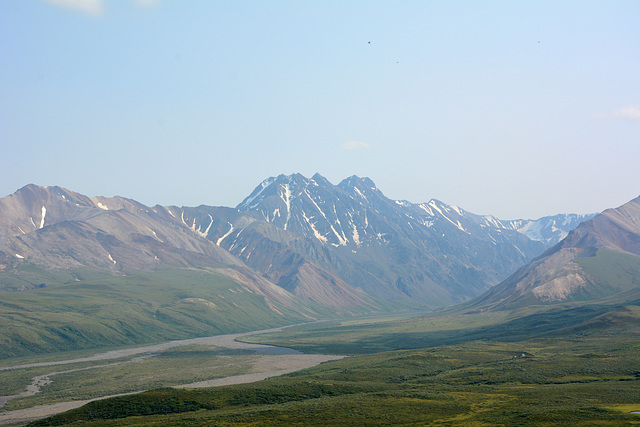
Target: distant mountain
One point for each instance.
(599, 259)
(427, 254)
(101, 271)
(344, 246)
(548, 230)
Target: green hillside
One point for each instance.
(137, 308)
(370, 336)
(612, 271)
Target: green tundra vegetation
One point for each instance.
(102, 311)
(612, 270)
(87, 380)
(574, 365)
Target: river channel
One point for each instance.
(267, 366)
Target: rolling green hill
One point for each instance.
(132, 309)
(611, 271)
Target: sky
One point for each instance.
(519, 109)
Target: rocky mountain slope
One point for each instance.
(344, 246)
(50, 235)
(427, 254)
(99, 271)
(598, 259)
(56, 228)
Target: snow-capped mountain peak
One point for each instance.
(345, 214)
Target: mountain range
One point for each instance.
(79, 273)
(83, 272)
(343, 246)
(430, 253)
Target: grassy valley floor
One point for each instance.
(586, 375)
(57, 385)
(478, 383)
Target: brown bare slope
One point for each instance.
(55, 228)
(52, 229)
(579, 267)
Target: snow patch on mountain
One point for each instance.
(316, 234)
(156, 236)
(206, 232)
(286, 197)
(532, 230)
(356, 235)
(248, 204)
(458, 210)
(44, 213)
(226, 235)
(426, 209)
(434, 205)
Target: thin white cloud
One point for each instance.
(90, 7)
(146, 3)
(355, 145)
(630, 112)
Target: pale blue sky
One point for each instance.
(514, 108)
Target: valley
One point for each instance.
(319, 213)
(81, 272)
(582, 377)
(404, 314)
(202, 362)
